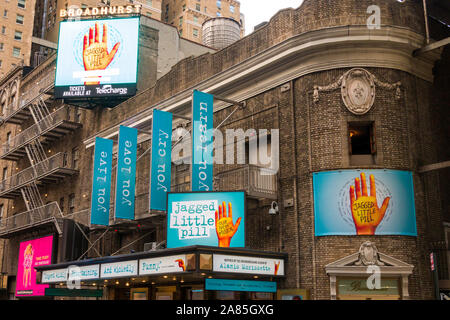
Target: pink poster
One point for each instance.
(33, 253)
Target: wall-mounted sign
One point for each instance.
(72, 273)
(159, 265)
(119, 269)
(206, 218)
(99, 11)
(240, 285)
(161, 159)
(33, 253)
(253, 265)
(202, 142)
(126, 173)
(364, 202)
(53, 276)
(101, 181)
(97, 58)
(84, 272)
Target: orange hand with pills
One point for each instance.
(225, 228)
(365, 211)
(277, 266)
(95, 53)
(181, 264)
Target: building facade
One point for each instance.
(336, 95)
(16, 33)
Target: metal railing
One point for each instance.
(31, 93)
(256, 181)
(53, 120)
(36, 171)
(30, 218)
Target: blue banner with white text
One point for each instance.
(202, 141)
(101, 182)
(126, 173)
(161, 159)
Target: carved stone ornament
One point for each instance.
(357, 90)
(368, 255)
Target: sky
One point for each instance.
(257, 11)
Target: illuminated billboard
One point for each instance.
(97, 58)
(33, 253)
(206, 218)
(364, 202)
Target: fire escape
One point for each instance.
(48, 126)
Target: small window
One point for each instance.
(16, 52)
(197, 6)
(5, 13)
(19, 19)
(195, 32)
(219, 4)
(1, 211)
(5, 173)
(21, 4)
(1, 46)
(195, 18)
(75, 157)
(8, 137)
(3, 29)
(61, 204)
(219, 14)
(18, 35)
(184, 7)
(180, 23)
(231, 9)
(72, 203)
(361, 139)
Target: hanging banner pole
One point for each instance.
(101, 182)
(126, 174)
(160, 159)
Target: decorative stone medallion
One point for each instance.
(368, 255)
(358, 91)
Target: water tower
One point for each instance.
(220, 32)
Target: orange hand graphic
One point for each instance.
(365, 211)
(181, 264)
(95, 53)
(277, 266)
(225, 228)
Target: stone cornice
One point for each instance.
(338, 47)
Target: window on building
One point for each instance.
(8, 137)
(195, 18)
(1, 63)
(180, 23)
(149, 3)
(19, 19)
(231, 9)
(16, 52)
(61, 204)
(195, 32)
(181, 32)
(5, 173)
(65, 161)
(21, 4)
(75, 157)
(72, 203)
(219, 14)
(3, 29)
(1, 211)
(205, 9)
(219, 4)
(184, 7)
(5, 13)
(197, 6)
(361, 142)
(1, 46)
(18, 35)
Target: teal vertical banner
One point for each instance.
(202, 142)
(101, 182)
(161, 159)
(126, 173)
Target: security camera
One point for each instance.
(273, 208)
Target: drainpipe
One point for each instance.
(427, 32)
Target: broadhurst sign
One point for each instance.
(97, 58)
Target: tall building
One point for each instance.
(189, 15)
(16, 28)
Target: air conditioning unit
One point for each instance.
(150, 246)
